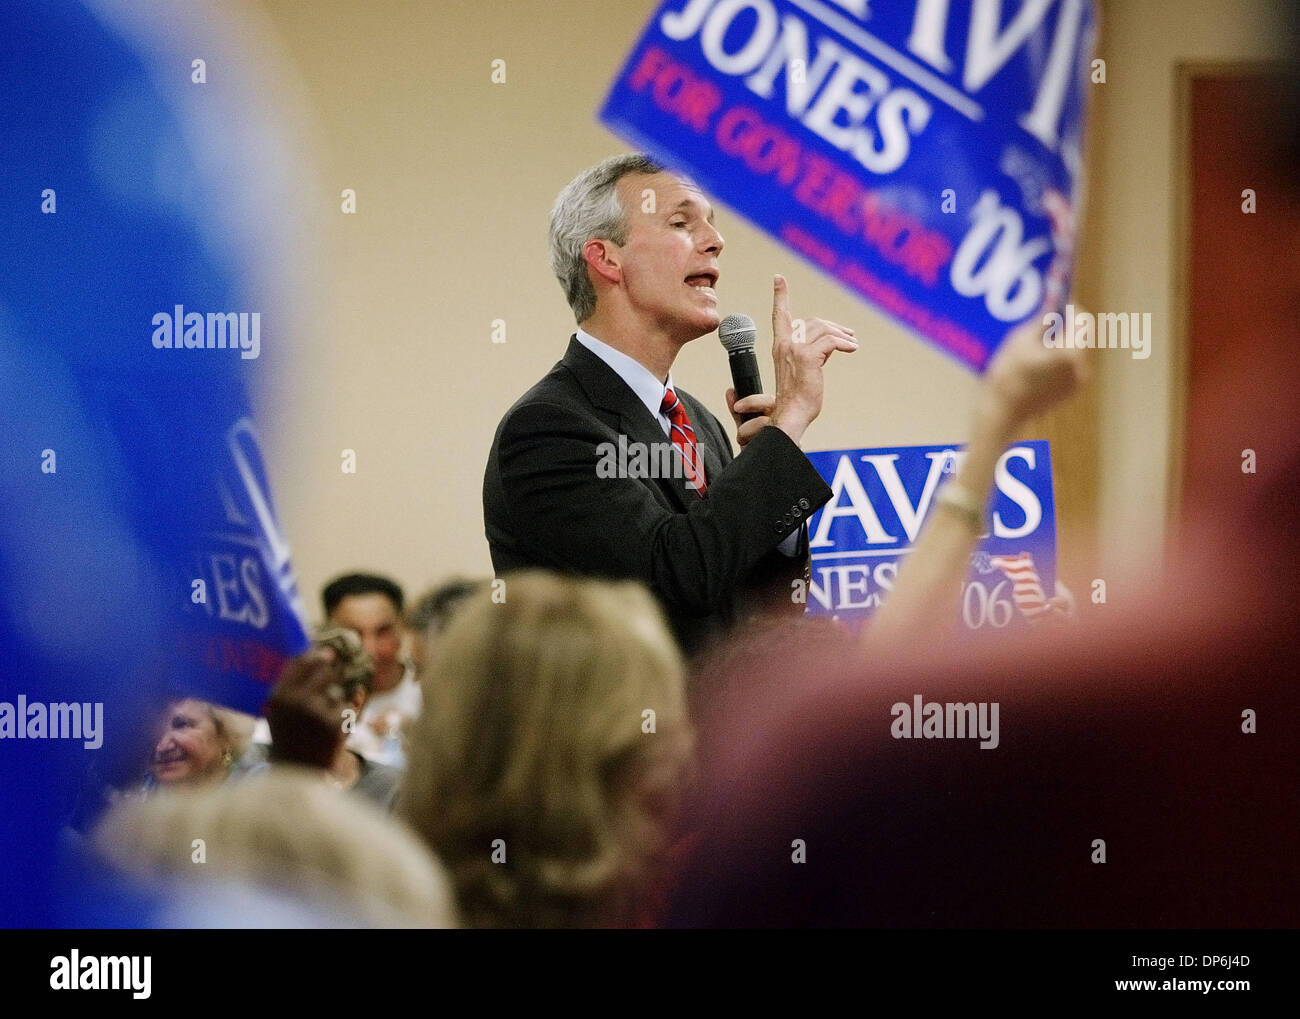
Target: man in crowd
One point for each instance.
(372, 606)
(430, 615)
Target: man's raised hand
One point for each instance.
(799, 356)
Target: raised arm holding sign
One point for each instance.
(1025, 379)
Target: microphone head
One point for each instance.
(737, 332)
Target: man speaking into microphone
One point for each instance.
(718, 537)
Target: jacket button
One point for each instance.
(804, 504)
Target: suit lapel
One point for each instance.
(609, 393)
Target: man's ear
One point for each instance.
(603, 259)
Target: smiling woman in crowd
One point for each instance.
(198, 744)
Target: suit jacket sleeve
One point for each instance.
(564, 514)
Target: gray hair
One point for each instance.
(589, 207)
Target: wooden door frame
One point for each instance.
(1185, 73)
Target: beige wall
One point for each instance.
(454, 176)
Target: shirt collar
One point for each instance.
(638, 377)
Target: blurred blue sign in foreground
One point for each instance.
(140, 552)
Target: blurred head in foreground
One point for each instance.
(197, 743)
(284, 834)
(316, 704)
(307, 708)
(547, 769)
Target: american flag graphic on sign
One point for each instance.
(1027, 589)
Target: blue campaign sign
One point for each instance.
(923, 153)
(136, 330)
(861, 538)
(139, 539)
(139, 549)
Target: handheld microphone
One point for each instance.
(737, 333)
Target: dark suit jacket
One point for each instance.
(709, 561)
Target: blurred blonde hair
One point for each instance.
(234, 728)
(288, 831)
(533, 733)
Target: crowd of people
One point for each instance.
(633, 724)
(567, 767)
(541, 779)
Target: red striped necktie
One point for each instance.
(683, 436)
